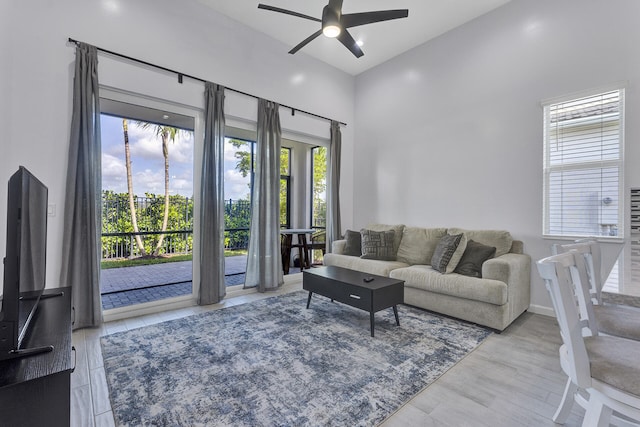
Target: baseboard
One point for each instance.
(541, 309)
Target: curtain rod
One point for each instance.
(182, 75)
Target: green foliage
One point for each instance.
(319, 186)
(116, 218)
(243, 157)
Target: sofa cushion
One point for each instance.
(380, 268)
(418, 244)
(474, 255)
(448, 252)
(378, 245)
(424, 277)
(353, 245)
(385, 227)
(500, 239)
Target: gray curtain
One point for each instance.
(264, 260)
(334, 228)
(83, 207)
(212, 286)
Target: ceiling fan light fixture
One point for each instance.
(331, 31)
(336, 25)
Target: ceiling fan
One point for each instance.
(335, 24)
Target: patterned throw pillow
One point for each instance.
(444, 252)
(378, 245)
(353, 246)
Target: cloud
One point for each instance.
(148, 181)
(147, 144)
(114, 173)
(181, 186)
(230, 151)
(235, 185)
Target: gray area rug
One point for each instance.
(275, 363)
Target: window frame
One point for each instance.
(618, 163)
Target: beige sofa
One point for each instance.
(495, 299)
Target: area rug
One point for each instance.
(275, 363)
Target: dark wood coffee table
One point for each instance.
(349, 287)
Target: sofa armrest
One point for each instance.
(337, 246)
(515, 271)
(508, 268)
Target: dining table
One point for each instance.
(286, 244)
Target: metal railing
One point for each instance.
(125, 246)
(178, 239)
(117, 244)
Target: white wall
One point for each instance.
(450, 133)
(36, 74)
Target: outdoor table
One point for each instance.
(286, 243)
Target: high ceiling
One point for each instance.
(380, 41)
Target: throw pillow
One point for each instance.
(501, 239)
(443, 257)
(386, 227)
(353, 246)
(378, 245)
(417, 244)
(474, 256)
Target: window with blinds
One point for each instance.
(583, 165)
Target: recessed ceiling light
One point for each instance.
(360, 43)
(166, 116)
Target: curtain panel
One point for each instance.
(82, 208)
(264, 259)
(334, 227)
(212, 262)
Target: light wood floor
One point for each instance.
(512, 379)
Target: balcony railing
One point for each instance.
(118, 244)
(178, 239)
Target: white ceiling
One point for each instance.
(381, 41)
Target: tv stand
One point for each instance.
(36, 390)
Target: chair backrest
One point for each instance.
(561, 276)
(585, 296)
(590, 249)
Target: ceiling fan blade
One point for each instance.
(335, 5)
(305, 42)
(357, 19)
(288, 12)
(347, 40)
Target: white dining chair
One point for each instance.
(604, 367)
(610, 319)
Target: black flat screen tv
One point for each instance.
(24, 262)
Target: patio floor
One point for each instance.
(125, 286)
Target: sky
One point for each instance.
(147, 162)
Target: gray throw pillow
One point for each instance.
(444, 252)
(353, 246)
(378, 245)
(474, 256)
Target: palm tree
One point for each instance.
(166, 133)
(132, 206)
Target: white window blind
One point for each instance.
(583, 147)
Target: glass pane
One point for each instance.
(319, 196)
(285, 162)
(147, 199)
(284, 204)
(584, 202)
(318, 202)
(238, 171)
(583, 165)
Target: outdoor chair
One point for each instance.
(318, 242)
(604, 367)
